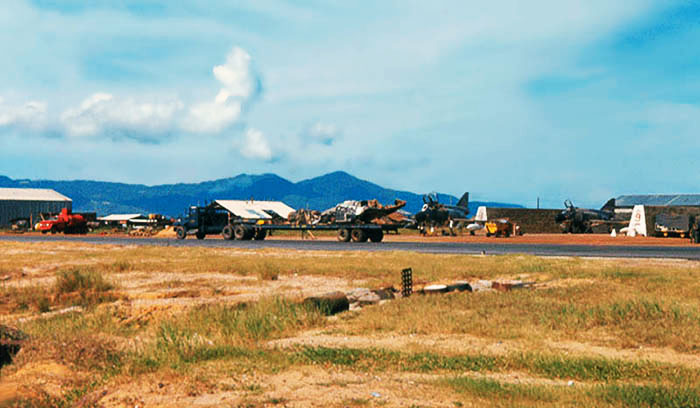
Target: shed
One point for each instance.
(28, 203)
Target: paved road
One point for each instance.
(428, 247)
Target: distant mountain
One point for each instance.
(171, 199)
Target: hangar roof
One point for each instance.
(691, 200)
(31, 194)
(255, 209)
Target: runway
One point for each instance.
(651, 251)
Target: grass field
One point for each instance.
(159, 326)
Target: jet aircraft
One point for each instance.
(582, 220)
(435, 213)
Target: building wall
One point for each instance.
(650, 213)
(11, 209)
(531, 221)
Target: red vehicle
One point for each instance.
(65, 222)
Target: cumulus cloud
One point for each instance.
(102, 113)
(31, 115)
(255, 145)
(239, 86)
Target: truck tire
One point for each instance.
(180, 233)
(242, 232)
(227, 232)
(260, 235)
(358, 235)
(376, 235)
(200, 235)
(344, 235)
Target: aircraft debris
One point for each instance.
(359, 211)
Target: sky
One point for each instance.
(510, 100)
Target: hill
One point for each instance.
(171, 199)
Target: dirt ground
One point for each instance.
(149, 294)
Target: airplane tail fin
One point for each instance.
(609, 206)
(638, 223)
(464, 201)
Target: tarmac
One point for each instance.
(470, 248)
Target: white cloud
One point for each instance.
(121, 118)
(238, 87)
(323, 133)
(31, 115)
(255, 145)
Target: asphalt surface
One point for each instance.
(427, 247)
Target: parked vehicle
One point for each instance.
(65, 222)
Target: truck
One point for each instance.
(65, 222)
(501, 227)
(256, 222)
(674, 225)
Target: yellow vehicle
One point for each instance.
(501, 227)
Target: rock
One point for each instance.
(384, 294)
(368, 298)
(504, 286)
(329, 303)
(356, 294)
(481, 286)
(11, 340)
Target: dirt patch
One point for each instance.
(308, 386)
(461, 344)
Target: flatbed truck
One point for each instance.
(203, 221)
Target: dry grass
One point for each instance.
(635, 325)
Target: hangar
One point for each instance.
(658, 200)
(28, 203)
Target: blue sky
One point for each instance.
(511, 100)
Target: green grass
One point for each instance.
(544, 365)
(650, 396)
(81, 279)
(214, 332)
(503, 392)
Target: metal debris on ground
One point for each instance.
(406, 282)
(504, 286)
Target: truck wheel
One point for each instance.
(200, 235)
(227, 233)
(180, 233)
(344, 235)
(358, 235)
(376, 235)
(260, 235)
(242, 233)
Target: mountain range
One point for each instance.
(171, 199)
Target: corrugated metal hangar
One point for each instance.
(28, 203)
(658, 200)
